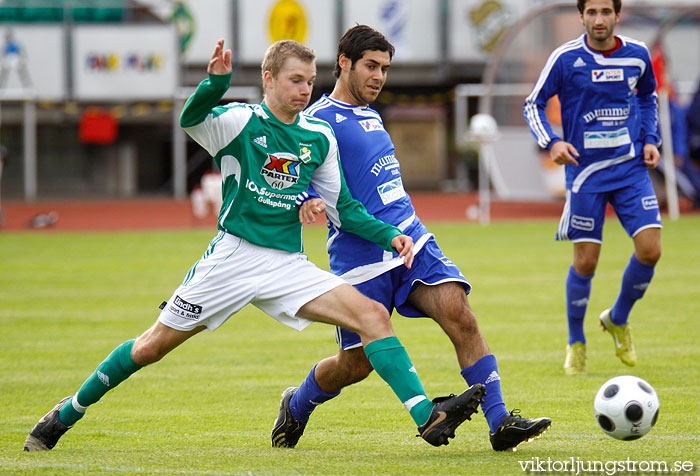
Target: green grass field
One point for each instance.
(66, 300)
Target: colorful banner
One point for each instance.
(265, 21)
(32, 62)
(475, 26)
(412, 26)
(125, 62)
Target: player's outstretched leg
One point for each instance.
(515, 429)
(116, 368)
(450, 412)
(47, 431)
(448, 305)
(287, 430)
(150, 347)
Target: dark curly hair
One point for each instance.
(581, 5)
(359, 39)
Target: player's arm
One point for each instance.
(534, 111)
(210, 125)
(210, 91)
(648, 111)
(349, 214)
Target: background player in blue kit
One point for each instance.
(606, 87)
(433, 287)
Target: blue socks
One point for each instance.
(304, 401)
(578, 290)
(485, 371)
(635, 281)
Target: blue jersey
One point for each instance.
(373, 176)
(608, 111)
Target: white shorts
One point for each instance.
(233, 273)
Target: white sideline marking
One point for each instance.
(103, 469)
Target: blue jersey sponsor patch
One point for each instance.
(447, 261)
(650, 203)
(603, 75)
(606, 139)
(391, 191)
(370, 125)
(582, 223)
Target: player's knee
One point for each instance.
(374, 318)
(649, 255)
(145, 352)
(585, 266)
(381, 319)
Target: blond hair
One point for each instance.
(278, 52)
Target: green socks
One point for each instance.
(387, 356)
(111, 372)
(392, 363)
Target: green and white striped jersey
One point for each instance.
(266, 163)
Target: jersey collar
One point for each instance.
(344, 104)
(620, 43)
(274, 119)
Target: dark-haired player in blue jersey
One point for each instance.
(433, 287)
(606, 88)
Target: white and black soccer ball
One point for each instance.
(626, 407)
(483, 128)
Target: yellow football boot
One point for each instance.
(575, 363)
(622, 338)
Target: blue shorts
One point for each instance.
(635, 205)
(430, 267)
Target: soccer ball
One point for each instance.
(483, 128)
(626, 407)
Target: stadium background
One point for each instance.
(90, 94)
(67, 297)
